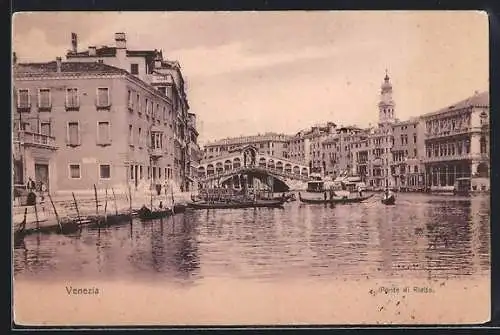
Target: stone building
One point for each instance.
(166, 76)
(271, 144)
(83, 123)
(408, 150)
(457, 144)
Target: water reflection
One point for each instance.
(422, 236)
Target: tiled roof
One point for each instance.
(106, 51)
(67, 67)
(476, 100)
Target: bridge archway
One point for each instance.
(210, 170)
(258, 178)
(279, 166)
(201, 172)
(236, 163)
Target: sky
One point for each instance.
(255, 72)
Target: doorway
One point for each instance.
(42, 175)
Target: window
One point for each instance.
(131, 172)
(103, 97)
(147, 107)
(73, 133)
(414, 138)
(138, 103)
(163, 90)
(74, 171)
(23, 99)
(104, 171)
(130, 101)
(44, 99)
(134, 68)
(139, 135)
(130, 135)
(414, 152)
(415, 169)
(72, 98)
(26, 126)
(103, 133)
(45, 128)
(140, 171)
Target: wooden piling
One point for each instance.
(96, 202)
(106, 205)
(36, 217)
(76, 207)
(55, 212)
(23, 224)
(114, 197)
(130, 199)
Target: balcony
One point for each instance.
(155, 152)
(448, 158)
(452, 132)
(35, 140)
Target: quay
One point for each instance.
(65, 212)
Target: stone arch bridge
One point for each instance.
(249, 163)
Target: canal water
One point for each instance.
(421, 237)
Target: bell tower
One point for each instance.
(386, 104)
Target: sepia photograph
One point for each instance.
(250, 168)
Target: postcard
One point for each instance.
(256, 168)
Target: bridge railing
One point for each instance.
(272, 171)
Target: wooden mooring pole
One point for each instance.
(114, 197)
(76, 207)
(106, 205)
(96, 201)
(36, 217)
(55, 212)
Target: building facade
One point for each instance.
(70, 120)
(407, 153)
(166, 76)
(271, 144)
(457, 144)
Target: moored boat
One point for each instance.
(335, 200)
(236, 205)
(389, 199)
(147, 214)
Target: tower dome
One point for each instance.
(386, 85)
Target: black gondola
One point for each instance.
(389, 199)
(237, 205)
(179, 208)
(147, 214)
(343, 200)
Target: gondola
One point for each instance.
(237, 205)
(179, 208)
(334, 200)
(388, 199)
(147, 214)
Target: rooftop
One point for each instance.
(481, 99)
(66, 67)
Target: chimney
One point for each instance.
(92, 51)
(58, 64)
(74, 43)
(121, 41)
